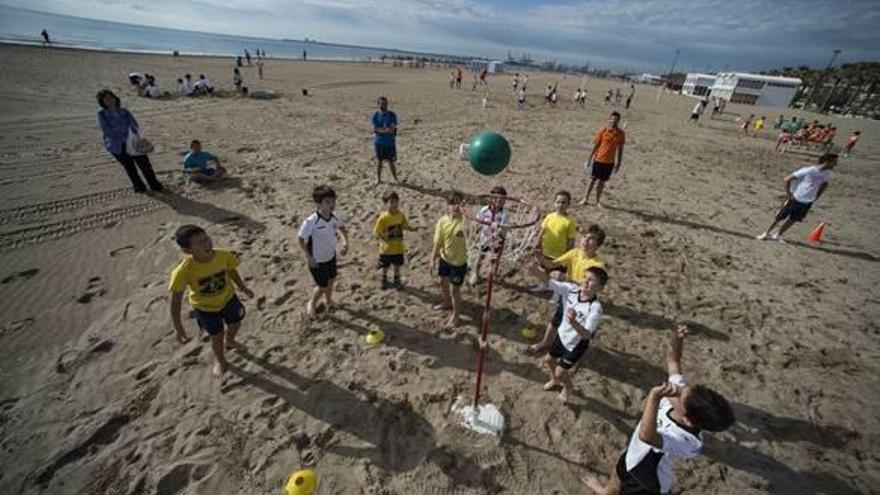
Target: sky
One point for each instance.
(631, 35)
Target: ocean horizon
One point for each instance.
(22, 26)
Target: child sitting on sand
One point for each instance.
(317, 239)
(449, 257)
(556, 237)
(196, 164)
(671, 427)
(491, 234)
(581, 321)
(389, 229)
(782, 140)
(208, 274)
(576, 262)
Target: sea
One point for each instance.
(23, 26)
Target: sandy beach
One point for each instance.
(97, 396)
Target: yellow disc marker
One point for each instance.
(302, 482)
(528, 333)
(375, 335)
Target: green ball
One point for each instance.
(489, 153)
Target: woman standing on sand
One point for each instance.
(116, 123)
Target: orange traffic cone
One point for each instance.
(816, 234)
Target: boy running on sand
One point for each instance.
(671, 428)
(606, 157)
(575, 262)
(802, 188)
(850, 143)
(449, 257)
(556, 237)
(389, 229)
(746, 124)
(207, 274)
(317, 239)
(581, 321)
(385, 139)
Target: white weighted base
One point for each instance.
(485, 419)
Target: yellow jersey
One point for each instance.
(557, 230)
(389, 229)
(450, 236)
(210, 286)
(576, 264)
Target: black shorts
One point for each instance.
(386, 152)
(455, 274)
(324, 273)
(695, 116)
(386, 260)
(629, 485)
(794, 210)
(602, 171)
(565, 358)
(212, 321)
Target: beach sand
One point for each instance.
(96, 395)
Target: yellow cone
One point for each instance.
(528, 333)
(375, 336)
(302, 483)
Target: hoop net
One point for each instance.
(500, 230)
(508, 230)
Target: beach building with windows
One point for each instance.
(755, 89)
(697, 84)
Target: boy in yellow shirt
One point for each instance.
(576, 263)
(389, 230)
(556, 237)
(208, 274)
(449, 256)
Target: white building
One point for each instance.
(491, 66)
(696, 84)
(755, 89)
(646, 78)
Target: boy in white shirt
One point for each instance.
(671, 427)
(802, 188)
(317, 240)
(492, 232)
(580, 322)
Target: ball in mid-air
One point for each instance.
(489, 153)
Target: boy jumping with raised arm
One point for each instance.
(389, 229)
(582, 314)
(802, 188)
(449, 256)
(317, 240)
(671, 427)
(208, 274)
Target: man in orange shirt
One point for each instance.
(606, 156)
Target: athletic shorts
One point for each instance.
(794, 210)
(386, 260)
(602, 171)
(695, 116)
(212, 321)
(565, 358)
(455, 274)
(324, 273)
(629, 485)
(386, 152)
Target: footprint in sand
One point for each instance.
(181, 476)
(118, 251)
(20, 275)
(94, 289)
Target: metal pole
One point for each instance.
(484, 324)
(821, 79)
(674, 61)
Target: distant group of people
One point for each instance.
(200, 87)
(145, 85)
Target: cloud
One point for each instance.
(618, 34)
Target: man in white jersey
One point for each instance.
(802, 188)
(671, 428)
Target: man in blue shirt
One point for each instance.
(385, 130)
(195, 163)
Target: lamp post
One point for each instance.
(821, 79)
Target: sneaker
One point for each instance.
(397, 284)
(762, 237)
(777, 238)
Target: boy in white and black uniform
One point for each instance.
(494, 217)
(802, 188)
(671, 427)
(317, 240)
(578, 326)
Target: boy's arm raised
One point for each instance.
(176, 298)
(648, 424)
(673, 351)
